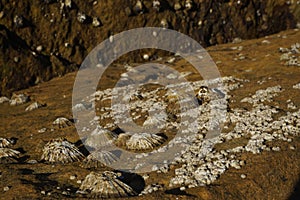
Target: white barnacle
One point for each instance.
(96, 22)
(188, 4)
(105, 185)
(8, 155)
(18, 99)
(164, 23)
(81, 17)
(62, 122)
(144, 141)
(156, 5)
(99, 158)
(4, 142)
(61, 150)
(203, 94)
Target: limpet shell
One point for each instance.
(105, 185)
(61, 150)
(144, 141)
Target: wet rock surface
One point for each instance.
(68, 30)
(256, 157)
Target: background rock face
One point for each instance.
(47, 38)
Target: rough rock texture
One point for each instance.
(43, 39)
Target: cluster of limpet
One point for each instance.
(99, 158)
(144, 141)
(61, 150)
(105, 185)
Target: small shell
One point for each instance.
(122, 139)
(62, 122)
(156, 5)
(34, 106)
(18, 99)
(96, 22)
(98, 159)
(4, 99)
(6, 142)
(144, 141)
(8, 155)
(19, 21)
(61, 151)
(139, 7)
(81, 17)
(100, 137)
(105, 185)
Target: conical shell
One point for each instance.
(99, 158)
(105, 185)
(61, 151)
(99, 138)
(8, 155)
(62, 122)
(144, 141)
(4, 142)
